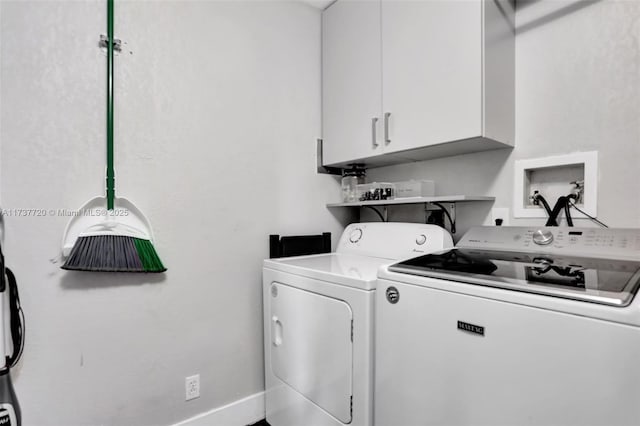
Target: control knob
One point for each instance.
(542, 238)
(355, 235)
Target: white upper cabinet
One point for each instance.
(352, 80)
(438, 75)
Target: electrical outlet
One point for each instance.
(192, 387)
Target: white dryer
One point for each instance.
(515, 326)
(318, 324)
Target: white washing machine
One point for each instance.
(318, 324)
(515, 326)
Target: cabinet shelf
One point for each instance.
(415, 200)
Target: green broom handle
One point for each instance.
(111, 190)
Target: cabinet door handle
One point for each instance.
(374, 138)
(387, 115)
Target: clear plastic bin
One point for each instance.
(376, 191)
(415, 188)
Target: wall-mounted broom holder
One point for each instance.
(104, 41)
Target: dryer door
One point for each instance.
(311, 347)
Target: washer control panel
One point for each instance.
(590, 242)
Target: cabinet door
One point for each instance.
(432, 71)
(351, 80)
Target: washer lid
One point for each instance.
(346, 269)
(604, 281)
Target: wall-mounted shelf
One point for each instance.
(414, 200)
(435, 201)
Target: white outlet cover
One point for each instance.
(590, 162)
(192, 387)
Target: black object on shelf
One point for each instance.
(299, 245)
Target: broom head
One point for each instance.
(113, 253)
(113, 247)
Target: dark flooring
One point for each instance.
(262, 422)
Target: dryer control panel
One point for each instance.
(393, 240)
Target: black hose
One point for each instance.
(567, 211)
(9, 287)
(377, 212)
(552, 218)
(587, 215)
(540, 198)
(552, 221)
(451, 222)
(16, 319)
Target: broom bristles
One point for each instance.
(113, 253)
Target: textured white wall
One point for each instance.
(577, 89)
(218, 105)
(217, 109)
